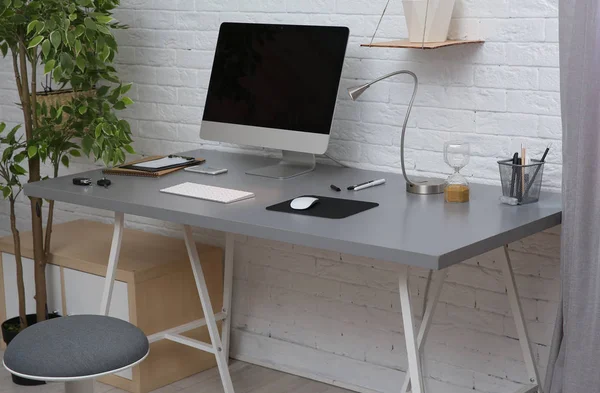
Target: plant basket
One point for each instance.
(61, 97)
(56, 98)
(9, 332)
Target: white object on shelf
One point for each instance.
(428, 20)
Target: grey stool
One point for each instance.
(75, 350)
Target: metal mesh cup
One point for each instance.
(521, 183)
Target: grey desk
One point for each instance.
(412, 230)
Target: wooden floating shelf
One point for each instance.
(419, 45)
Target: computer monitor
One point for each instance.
(275, 86)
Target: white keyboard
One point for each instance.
(209, 193)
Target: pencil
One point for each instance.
(523, 163)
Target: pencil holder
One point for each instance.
(521, 184)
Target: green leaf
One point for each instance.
(35, 41)
(55, 39)
(7, 154)
(90, 24)
(83, 109)
(126, 88)
(2, 127)
(101, 92)
(46, 47)
(39, 27)
(19, 157)
(11, 134)
(71, 38)
(58, 73)
(103, 29)
(98, 131)
(4, 49)
(65, 161)
(87, 143)
(119, 106)
(77, 47)
(31, 26)
(32, 151)
(129, 149)
(75, 153)
(106, 157)
(17, 169)
(17, 3)
(80, 63)
(49, 66)
(105, 53)
(104, 19)
(114, 96)
(79, 30)
(72, 16)
(66, 62)
(127, 101)
(6, 191)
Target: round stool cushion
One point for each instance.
(75, 347)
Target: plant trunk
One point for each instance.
(34, 175)
(19, 262)
(50, 218)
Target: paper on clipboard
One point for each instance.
(162, 162)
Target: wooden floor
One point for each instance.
(247, 378)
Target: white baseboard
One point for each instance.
(314, 364)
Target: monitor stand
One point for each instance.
(292, 164)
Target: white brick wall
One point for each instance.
(336, 317)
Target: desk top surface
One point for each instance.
(416, 230)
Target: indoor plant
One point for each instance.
(72, 42)
(428, 20)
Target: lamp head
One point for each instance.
(355, 92)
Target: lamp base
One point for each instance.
(426, 187)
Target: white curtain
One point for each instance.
(574, 365)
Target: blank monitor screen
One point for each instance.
(276, 76)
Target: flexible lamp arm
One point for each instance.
(355, 92)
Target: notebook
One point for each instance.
(123, 170)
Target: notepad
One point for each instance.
(162, 163)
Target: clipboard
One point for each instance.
(123, 170)
(187, 161)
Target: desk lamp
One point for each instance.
(424, 186)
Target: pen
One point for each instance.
(536, 171)
(351, 188)
(368, 184)
(335, 188)
(515, 161)
(184, 157)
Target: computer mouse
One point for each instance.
(303, 203)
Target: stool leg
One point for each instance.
(85, 386)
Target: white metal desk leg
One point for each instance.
(227, 292)
(414, 361)
(211, 323)
(113, 261)
(438, 281)
(517, 311)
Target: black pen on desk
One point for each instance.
(335, 188)
(515, 161)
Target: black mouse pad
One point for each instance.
(334, 208)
